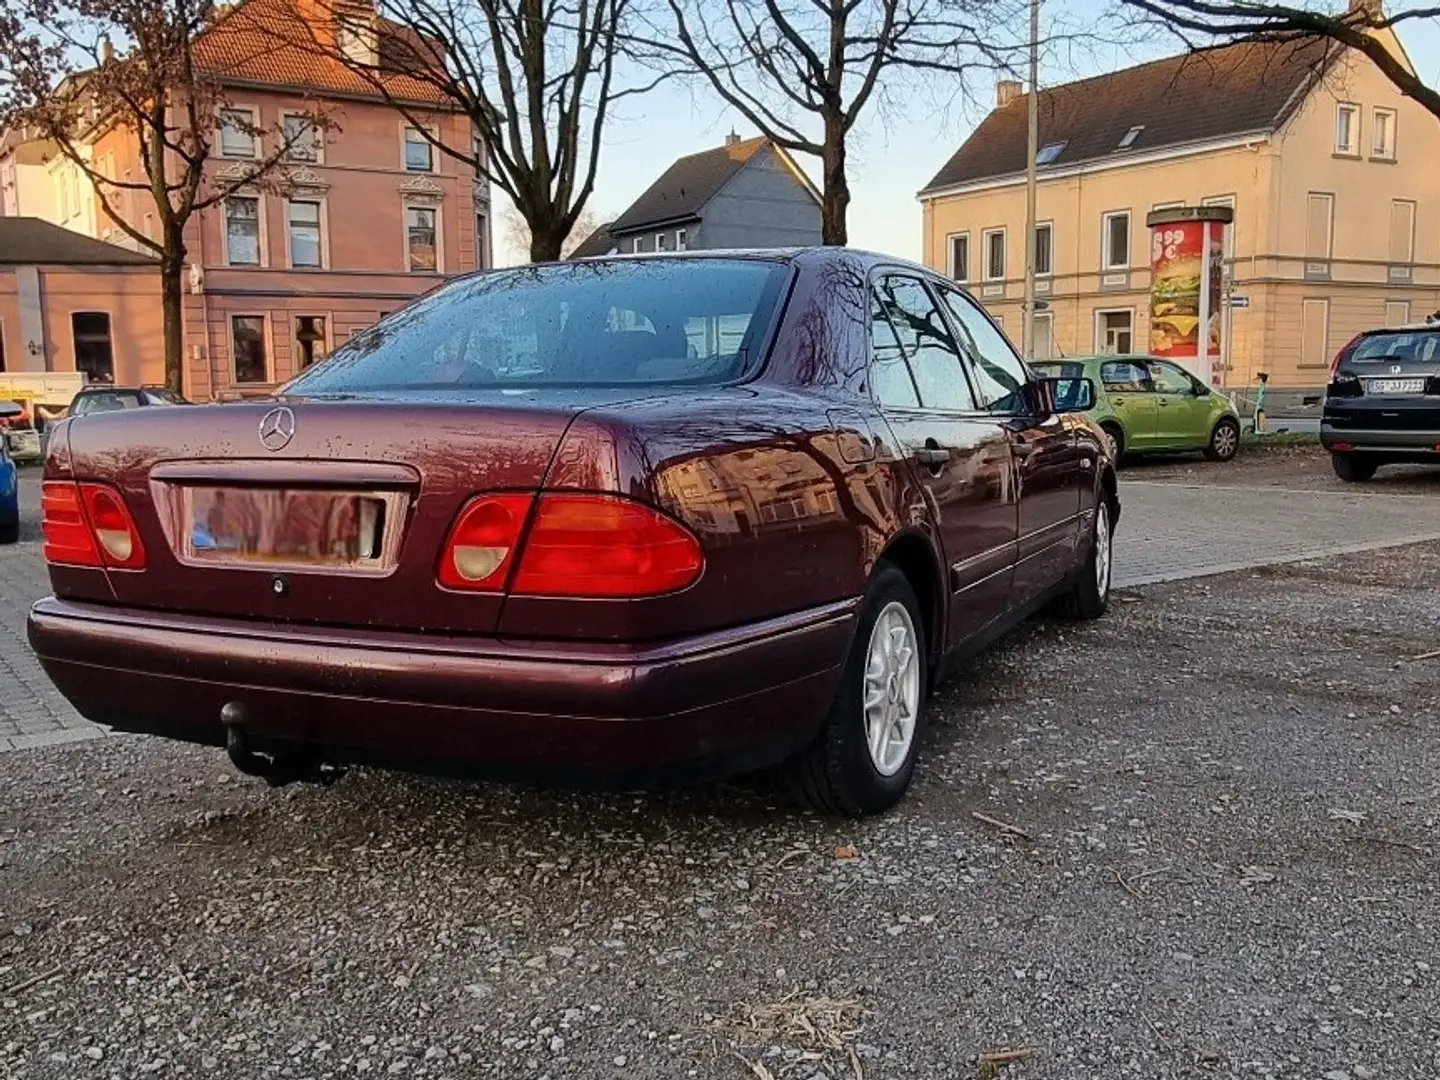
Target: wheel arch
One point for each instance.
(914, 555)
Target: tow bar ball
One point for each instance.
(276, 767)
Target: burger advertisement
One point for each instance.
(1177, 274)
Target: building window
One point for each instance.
(960, 257)
(1402, 231)
(1115, 239)
(242, 231)
(1382, 134)
(302, 139)
(1347, 129)
(1128, 139)
(1319, 225)
(1115, 332)
(247, 337)
(482, 243)
(1042, 250)
(681, 240)
(303, 222)
(93, 355)
(994, 254)
(421, 240)
(419, 153)
(637, 245)
(1043, 347)
(1047, 154)
(1314, 333)
(310, 343)
(1397, 312)
(660, 241)
(238, 135)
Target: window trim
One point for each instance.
(257, 148)
(323, 224)
(405, 208)
(266, 341)
(318, 132)
(1049, 226)
(1097, 329)
(1324, 362)
(262, 240)
(636, 247)
(406, 127)
(660, 242)
(950, 239)
(1413, 204)
(682, 239)
(958, 337)
(1037, 317)
(1106, 265)
(962, 337)
(109, 333)
(985, 236)
(1394, 115)
(1329, 252)
(295, 316)
(1356, 112)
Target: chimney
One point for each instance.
(357, 31)
(1371, 9)
(107, 51)
(732, 139)
(1006, 91)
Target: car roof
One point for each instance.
(1430, 323)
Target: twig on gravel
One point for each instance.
(1164, 1042)
(1120, 880)
(1388, 843)
(855, 1063)
(42, 977)
(1003, 826)
(992, 1061)
(754, 1067)
(184, 978)
(1431, 655)
(790, 856)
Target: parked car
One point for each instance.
(9, 481)
(1144, 404)
(105, 397)
(626, 518)
(1382, 406)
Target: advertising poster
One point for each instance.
(1178, 271)
(1215, 304)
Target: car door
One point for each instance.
(1182, 415)
(957, 452)
(1052, 476)
(1127, 386)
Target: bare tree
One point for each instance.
(538, 79)
(518, 239)
(1202, 22)
(64, 83)
(804, 72)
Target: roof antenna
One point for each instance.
(732, 138)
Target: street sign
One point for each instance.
(1238, 300)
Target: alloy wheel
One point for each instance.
(892, 689)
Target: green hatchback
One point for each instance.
(1147, 405)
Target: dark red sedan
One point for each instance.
(618, 519)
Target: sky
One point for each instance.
(891, 154)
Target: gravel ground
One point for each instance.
(1304, 467)
(1227, 792)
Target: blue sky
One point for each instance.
(891, 155)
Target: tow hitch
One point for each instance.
(276, 768)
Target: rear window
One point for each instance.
(1398, 347)
(591, 323)
(1060, 371)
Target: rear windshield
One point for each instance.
(1060, 370)
(601, 323)
(1398, 347)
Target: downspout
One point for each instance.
(205, 309)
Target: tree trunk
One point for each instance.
(172, 307)
(547, 239)
(835, 194)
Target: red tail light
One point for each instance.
(577, 545)
(88, 525)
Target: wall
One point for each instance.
(762, 206)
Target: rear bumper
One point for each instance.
(715, 703)
(1417, 443)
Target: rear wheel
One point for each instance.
(1224, 441)
(1353, 468)
(864, 756)
(1089, 597)
(1115, 436)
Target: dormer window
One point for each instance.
(1048, 153)
(1128, 139)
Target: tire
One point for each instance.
(1353, 468)
(838, 773)
(9, 532)
(1117, 440)
(1224, 441)
(1089, 596)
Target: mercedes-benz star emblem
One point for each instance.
(277, 428)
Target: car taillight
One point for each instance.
(578, 545)
(88, 525)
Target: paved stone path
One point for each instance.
(1167, 532)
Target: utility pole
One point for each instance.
(1032, 143)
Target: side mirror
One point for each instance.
(1068, 395)
(1199, 389)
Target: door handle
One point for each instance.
(931, 456)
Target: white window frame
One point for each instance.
(1324, 361)
(682, 240)
(1105, 219)
(1098, 330)
(637, 245)
(316, 131)
(324, 226)
(260, 211)
(257, 148)
(1049, 226)
(1378, 153)
(985, 253)
(1403, 319)
(1329, 252)
(266, 337)
(1410, 241)
(1036, 319)
(660, 242)
(434, 169)
(405, 237)
(1342, 108)
(950, 255)
(1128, 139)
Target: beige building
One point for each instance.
(1333, 177)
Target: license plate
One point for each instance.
(319, 529)
(1396, 386)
